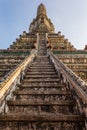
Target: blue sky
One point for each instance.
(68, 16)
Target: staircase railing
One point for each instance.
(76, 85)
(9, 84)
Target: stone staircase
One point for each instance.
(41, 101)
(42, 47)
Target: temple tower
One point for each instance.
(37, 90)
(41, 23)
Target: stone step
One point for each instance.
(34, 92)
(41, 67)
(41, 80)
(39, 88)
(41, 70)
(43, 97)
(45, 85)
(24, 106)
(39, 103)
(39, 59)
(44, 58)
(43, 117)
(28, 87)
(41, 76)
(41, 73)
(27, 124)
(41, 63)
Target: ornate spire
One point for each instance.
(41, 10)
(41, 23)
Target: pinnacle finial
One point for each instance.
(41, 9)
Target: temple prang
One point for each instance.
(43, 80)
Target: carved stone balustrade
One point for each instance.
(74, 83)
(8, 85)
